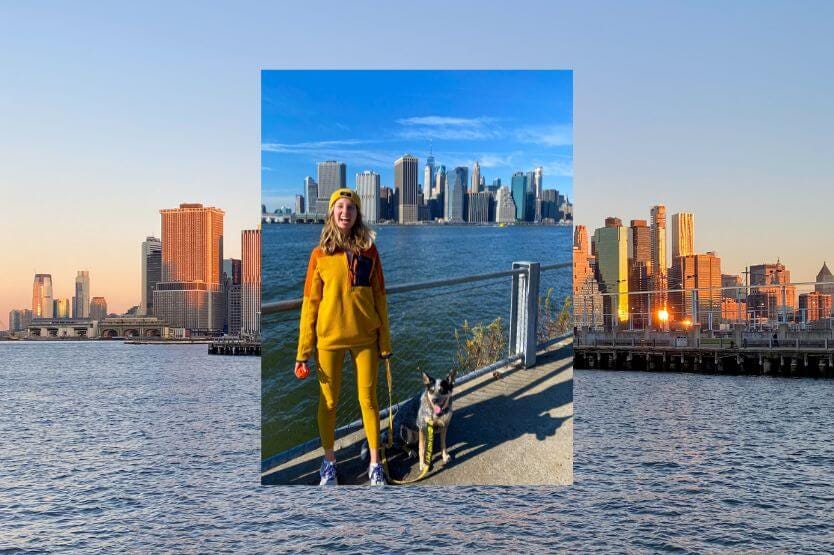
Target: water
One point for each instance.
(422, 323)
(110, 447)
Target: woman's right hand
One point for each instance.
(301, 370)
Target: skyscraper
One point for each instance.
(683, 234)
(480, 208)
(250, 299)
(538, 181)
(188, 295)
(611, 250)
(331, 175)
(311, 193)
(367, 187)
(405, 183)
(61, 308)
(701, 272)
(659, 281)
(505, 207)
(81, 300)
(639, 268)
(587, 300)
(476, 178)
(232, 284)
(519, 188)
(456, 182)
(773, 298)
(299, 204)
(151, 273)
(98, 309)
(429, 191)
(42, 306)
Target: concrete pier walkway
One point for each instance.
(514, 427)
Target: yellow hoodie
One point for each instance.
(344, 303)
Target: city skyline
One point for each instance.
(506, 121)
(720, 242)
(118, 295)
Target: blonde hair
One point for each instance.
(359, 238)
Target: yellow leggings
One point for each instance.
(330, 380)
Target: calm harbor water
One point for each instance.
(110, 447)
(422, 323)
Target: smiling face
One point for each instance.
(344, 214)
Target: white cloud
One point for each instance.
(448, 128)
(552, 135)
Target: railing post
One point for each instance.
(524, 307)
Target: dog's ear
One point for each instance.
(451, 377)
(427, 379)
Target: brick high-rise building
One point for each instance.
(701, 272)
(814, 306)
(770, 296)
(188, 295)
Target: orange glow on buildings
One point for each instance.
(250, 310)
(188, 295)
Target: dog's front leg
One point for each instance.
(422, 449)
(443, 430)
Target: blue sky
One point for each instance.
(506, 120)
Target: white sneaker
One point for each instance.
(376, 475)
(328, 473)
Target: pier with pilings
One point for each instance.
(785, 356)
(235, 347)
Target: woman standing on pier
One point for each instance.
(345, 310)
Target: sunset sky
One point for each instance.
(111, 111)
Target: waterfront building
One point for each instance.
(683, 234)
(42, 306)
(610, 246)
(538, 181)
(639, 268)
(547, 206)
(480, 208)
(311, 193)
(659, 278)
(733, 310)
(62, 327)
(771, 297)
(331, 176)
(429, 178)
(386, 204)
(439, 211)
(61, 308)
(732, 280)
(814, 306)
(825, 281)
(476, 178)
(691, 272)
(188, 295)
(15, 320)
(482, 184)
(519, 189)
(81, 300)
(98, 309)
(232, 275)
(151, 273)
(456, 181)
(299, 204)
(505, 207)
(405, 183)
(250, 301)
(587, 300)
(367, 187)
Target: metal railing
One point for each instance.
(521, 345)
